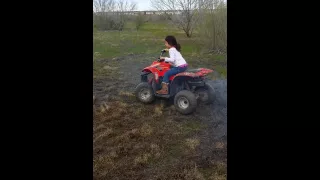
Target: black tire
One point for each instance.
(206, 94)
(185, 102)
(144, 93)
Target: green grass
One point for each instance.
(149, 39)
(192, 126)
(132, 142)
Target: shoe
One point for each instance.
(164, 89)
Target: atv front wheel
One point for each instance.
(206, 94)
(144, 93)
(185, 102)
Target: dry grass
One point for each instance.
(146, 130)
(158, 110)
(104, 107)
(106, 67)
(219, 170)
(155, 150)
(217, 177)
(129, 141)
(142, 159)
(192, 143)
(193, 174)
(219, 145)
(126, 93)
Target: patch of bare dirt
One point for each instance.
(131, 140)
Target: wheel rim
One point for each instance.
(144, 94)
(183, 103)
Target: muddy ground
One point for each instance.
(118, 86)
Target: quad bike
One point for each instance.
(187, 87)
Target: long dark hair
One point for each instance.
(173, 42)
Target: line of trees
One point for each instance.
(108, 13)
(206, 17)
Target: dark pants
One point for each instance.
(173, 71)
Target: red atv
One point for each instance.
(186, 87)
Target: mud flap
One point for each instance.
(144, 76)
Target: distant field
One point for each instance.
(150, 40)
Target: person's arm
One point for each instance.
(171, 58)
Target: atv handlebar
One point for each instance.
(162, 60)
(162, 51)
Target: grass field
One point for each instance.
(136, 141)
(150, 40)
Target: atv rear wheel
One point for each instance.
(206, 94)
(144, 93)
(185, 102)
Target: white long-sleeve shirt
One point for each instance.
(175, 57)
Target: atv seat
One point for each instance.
(192, 70)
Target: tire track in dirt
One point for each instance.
(213, 139)
(217, 112)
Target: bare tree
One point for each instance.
(213, 25)
(139, 20)
(187, 16)
(122, 7)
(101, 19)
(103, 5)
(110, 14)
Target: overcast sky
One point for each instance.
(143, 5)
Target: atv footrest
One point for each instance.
(162, 95)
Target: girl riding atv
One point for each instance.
(176, 60)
